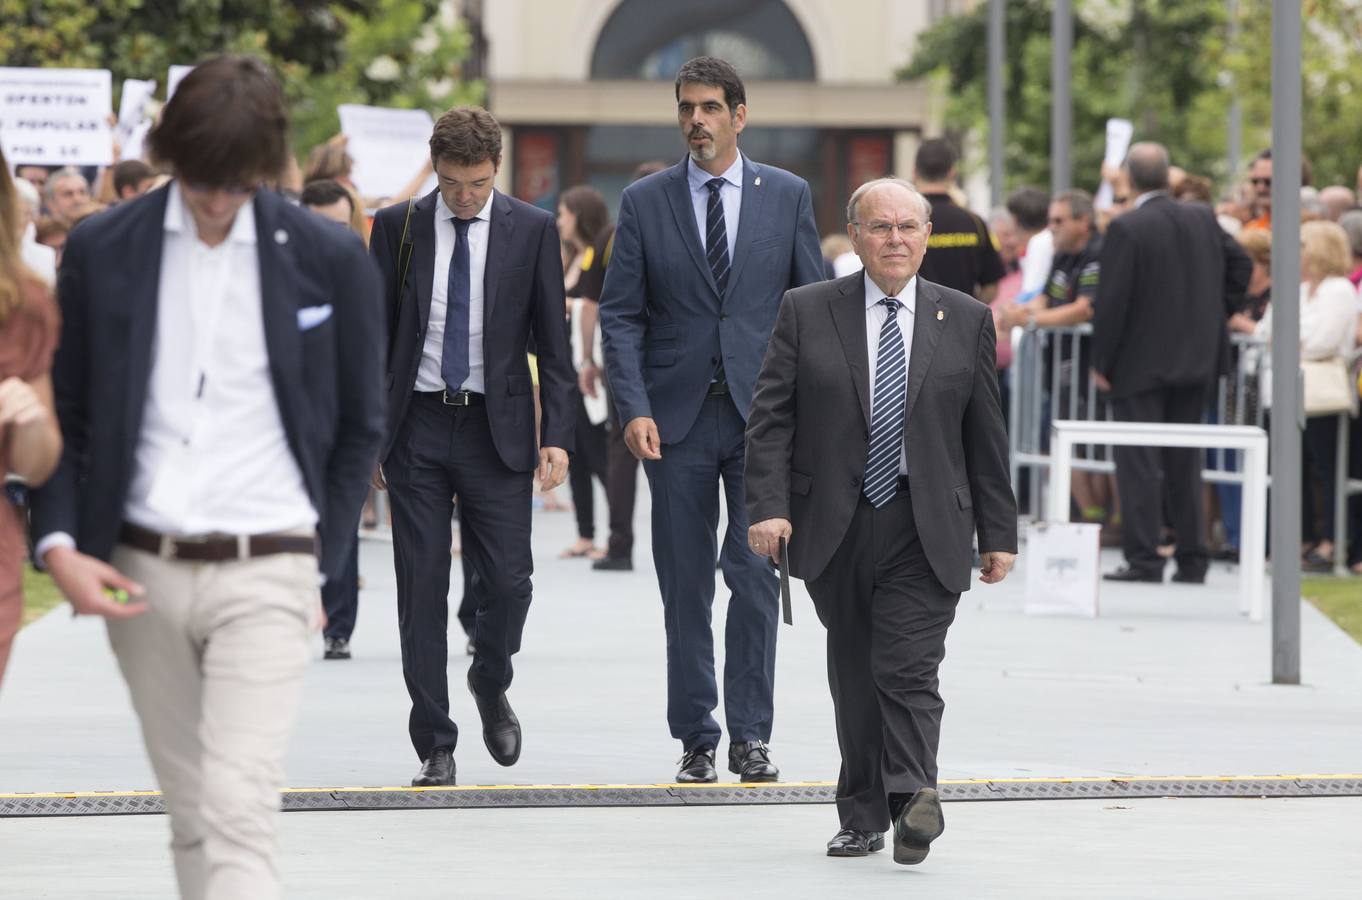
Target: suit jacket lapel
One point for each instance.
(142, 289)
(926, 334)
(749, 219)
(678, 195)
(278, 308)
(848, 317)
(423, 252)
(498, 244)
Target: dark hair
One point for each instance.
(49, 227)
(935, 159)
(324, 192)
(652, 167)
(1030, 206)
(226, 126)
(466, 136)
(714, 72)
(1079, 203)
(1307, 171)
(130, 173)
(593, 216)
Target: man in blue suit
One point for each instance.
(703, 253)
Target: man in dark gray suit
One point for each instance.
(703, 253)
(879, 527)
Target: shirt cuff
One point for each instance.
(55, 539)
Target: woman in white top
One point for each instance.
(1329, 313)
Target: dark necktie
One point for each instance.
(454, 361)
(716, 235)
(886, 412)
(716, 247)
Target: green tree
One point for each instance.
(1170, 66)
(1138, 59)
(325, 51)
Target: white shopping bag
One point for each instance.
(1061, 568)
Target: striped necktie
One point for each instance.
(886, 412)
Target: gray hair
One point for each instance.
(881, 182)
(1079, 203)
(1147, 163)
(1351, 223)
(50, 189)
(28, 196)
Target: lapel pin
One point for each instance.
(757, 182)
(940, 315)
(281, 236)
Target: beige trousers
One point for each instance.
(215, 670)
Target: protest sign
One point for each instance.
(56, 117)
(389, 146)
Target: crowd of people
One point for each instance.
(462, 350)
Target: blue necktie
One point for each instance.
(454, 360)
(886, 412)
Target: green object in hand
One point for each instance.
(117, 595)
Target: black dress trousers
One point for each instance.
(441, 451)
(886, 616)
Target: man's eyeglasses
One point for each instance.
(1264, 182)
(882, 229)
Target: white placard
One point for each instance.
(1061, 568)
(389, 146)
(1119, 133)
(132, 106)
(56, 117)
(173, 80)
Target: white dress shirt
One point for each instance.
(213, 455)
(730, 195)
(875, 314)
(428, 377)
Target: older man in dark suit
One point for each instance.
(703, 253)
(472, 280)
(1171, 278)
(219, 386)
(880, 526)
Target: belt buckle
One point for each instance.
(457, 398)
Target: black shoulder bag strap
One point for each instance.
(404, 252)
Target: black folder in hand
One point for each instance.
(785, 609)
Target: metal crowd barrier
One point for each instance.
(1046, 381)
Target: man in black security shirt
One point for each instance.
(960, 250)
(1072, 285)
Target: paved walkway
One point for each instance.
(1170, 681)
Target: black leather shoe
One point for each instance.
(918, 824)
(1182, 577)
(500, 727)
(437, 770)
(850, 842)
(613, 564)
(336, 648)
(751, 761)
(1126, 573)
(697, 767)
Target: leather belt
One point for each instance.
(718, 389)
(215, 548)
(454, 398)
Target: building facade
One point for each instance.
(584, 88)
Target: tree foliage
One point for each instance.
(325, 51)
(1170, 66)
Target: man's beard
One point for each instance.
(706, 152)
